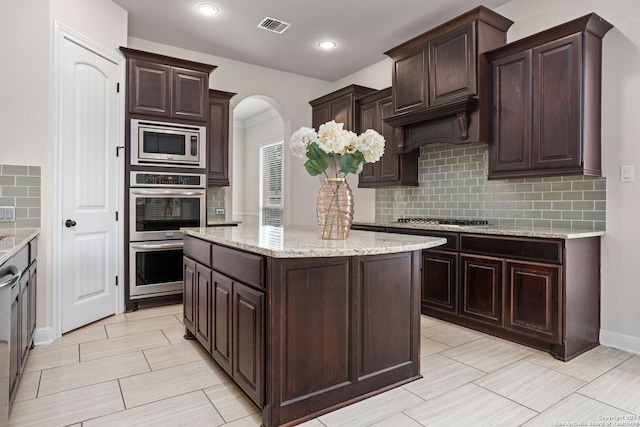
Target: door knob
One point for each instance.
(69, 223)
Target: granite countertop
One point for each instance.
(12, 240)
(306, 242)
(500, 230)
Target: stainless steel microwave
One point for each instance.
(167, 144)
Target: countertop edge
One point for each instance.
(25, 235)
(546, 233)
(332, 251)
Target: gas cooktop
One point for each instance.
(445, 221)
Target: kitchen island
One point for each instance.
(304, 325)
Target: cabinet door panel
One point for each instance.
(189, 94)
(203, 311)
(189, 294)
(389, 162)
(510, 147)
(481, 287)
(368, 120)
(218, 141)
(321, 114)
(149, 88)
(24, 317)
(452, 65)
(14, 344)
(557, 73)
(533, 299)
(221, 342)
(33, 285)
(410, 82)
(248, 341)
(440, 281)
(341, 111)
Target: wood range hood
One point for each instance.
(440, 81)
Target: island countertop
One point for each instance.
(306, 242)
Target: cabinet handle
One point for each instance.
(69, 223)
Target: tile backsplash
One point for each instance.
(215, 200)
(20, 187)
(453, 184)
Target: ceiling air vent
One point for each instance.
(274, 25)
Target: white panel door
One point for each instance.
(88, 140)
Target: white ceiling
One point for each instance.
(362, 29)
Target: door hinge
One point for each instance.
(118, 87)
(116, 215)
(116, 280)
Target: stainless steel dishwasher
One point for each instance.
(9, 335)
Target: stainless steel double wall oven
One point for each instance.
(167, 190)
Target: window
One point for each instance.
(271, 184)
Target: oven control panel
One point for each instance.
(169, 180)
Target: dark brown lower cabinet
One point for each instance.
(248, 340)
(222, 309)
(305, 336)
(203, 302)
(533, 300)
(189, 294)
(440, 281)
(541, 292)
(481, 289)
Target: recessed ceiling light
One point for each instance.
(208, 9)
(326, 44)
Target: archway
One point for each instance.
(256, 124)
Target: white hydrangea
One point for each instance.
(301, 139)
(371, 145)
(332, 138)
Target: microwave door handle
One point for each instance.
(168, 193)
(145, 246)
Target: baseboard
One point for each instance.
(620, 341)
(42, 336)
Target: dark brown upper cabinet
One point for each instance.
(339, 106)
(440, 78)
(218, 138)
(391, 169)
(167, 87)
(545, 102)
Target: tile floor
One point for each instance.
(136, 369)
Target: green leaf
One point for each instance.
(351, 163)
(318, 160)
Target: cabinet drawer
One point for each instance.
(242, 266)
(198, 250)
(540, 250)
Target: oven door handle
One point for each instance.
(169, 193)
(10, 276)
(146, 246)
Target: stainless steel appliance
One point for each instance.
(167, 144)
(159, 204)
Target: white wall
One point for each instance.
(254, 137)
(26, 84)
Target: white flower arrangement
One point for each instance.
(332, 142)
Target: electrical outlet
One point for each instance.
(219, 211)
(7, 214)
